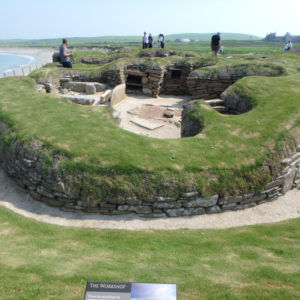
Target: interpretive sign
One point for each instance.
(130, 291)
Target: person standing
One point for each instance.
(145, 41)
(215, 44)
(221, 49)
(158, 42)
(65, 54)
(161, 41)
(150, 41)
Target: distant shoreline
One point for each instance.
(38, 57)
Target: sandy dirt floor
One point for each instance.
(40, 57)
(17, 200)
(136, 110)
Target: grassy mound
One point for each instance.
(229, 157)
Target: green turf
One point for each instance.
(39, 261)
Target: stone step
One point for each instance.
(80, 100)
(215, 102)
(221, 109)
(105, 96)
(291, 161)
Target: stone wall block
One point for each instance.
(44, 192)
(175, 212)
(289, 180)
(276, 183)
(165, 199)
(190, 194)
(213, 210)
(128, 208)
(164, 205)
(200, 202)
(194, 212)
(230, 199)
(52, 202)
(144, 210)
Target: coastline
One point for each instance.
(37, 56)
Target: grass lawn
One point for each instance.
(40, 261)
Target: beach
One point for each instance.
(37, 57)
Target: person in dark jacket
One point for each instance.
(215, 44)
(150, 41)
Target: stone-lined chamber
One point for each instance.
(26, 165)
(203, 80)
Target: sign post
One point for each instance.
(130, 291)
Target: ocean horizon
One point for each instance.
(10, 62)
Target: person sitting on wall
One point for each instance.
(65, 54)
(145, 41)
(286, 47)
(290, 45)
(215, 44)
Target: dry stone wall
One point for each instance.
(175, 79)
(147, 80)
(27, 165)
(211, 83)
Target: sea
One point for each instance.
(10, 62)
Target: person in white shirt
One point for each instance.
(161, 41)
(288, 46)
(145, 41)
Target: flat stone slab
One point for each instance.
(80, 100)
(215, 102)
(146, 123)
(220, 109)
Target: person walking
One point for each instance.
(150, 41)
(215, 44)
(65, 54)
(145, 41)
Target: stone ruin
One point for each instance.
(181, 79)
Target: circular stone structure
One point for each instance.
(77, 157)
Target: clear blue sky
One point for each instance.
(69, 18)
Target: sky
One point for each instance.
(36, 19)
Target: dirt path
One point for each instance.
(16, 199)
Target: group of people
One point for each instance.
(216, 47)
(148, 41)
(288, 46)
